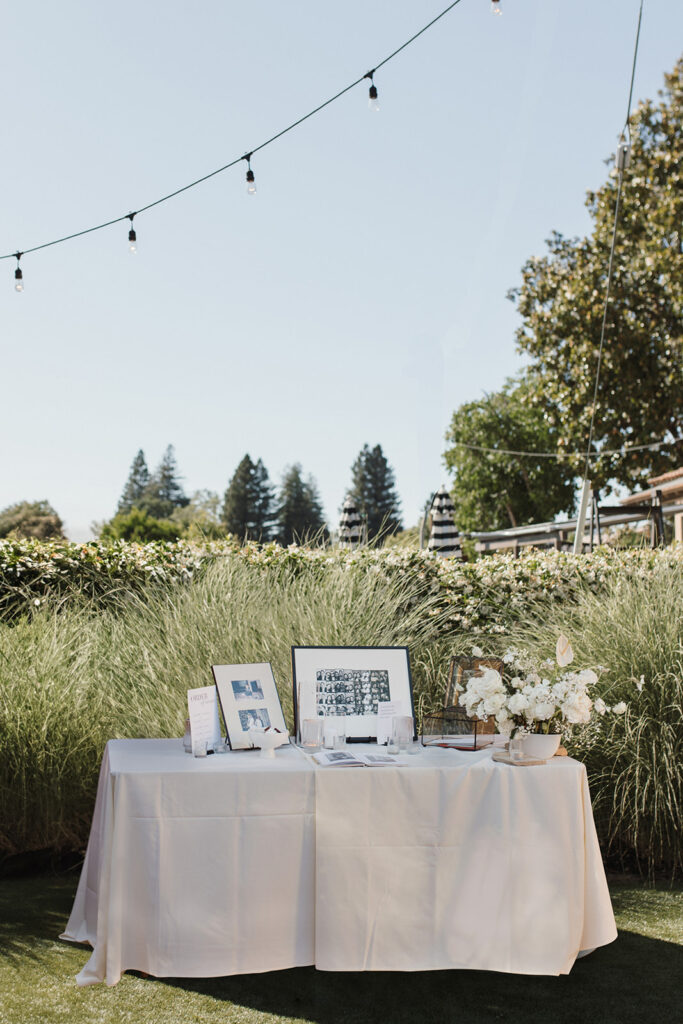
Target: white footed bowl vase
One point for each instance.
(541, 745)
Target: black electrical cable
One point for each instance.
(233, 163)
(617, 206)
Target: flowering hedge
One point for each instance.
(482, 598)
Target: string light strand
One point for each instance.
(571, 455)
(233, 163)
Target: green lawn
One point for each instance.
(636, 979)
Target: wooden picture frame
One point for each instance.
(460, 670)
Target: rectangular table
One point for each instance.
(235, 864)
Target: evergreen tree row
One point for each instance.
(154, 506)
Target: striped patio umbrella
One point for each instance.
(350, 526)
(444, 538)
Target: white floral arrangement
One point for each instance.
(526, 697)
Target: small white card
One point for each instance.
(203, 710)
(386, 710)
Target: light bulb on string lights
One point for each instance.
(18, 275)
(495, 7)
(132, 237)
(373, 101)
(251, 184)
(624, 151)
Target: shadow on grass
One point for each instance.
(33, 912)
(631, 980)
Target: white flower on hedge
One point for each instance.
(620, 708)
(640, 684)
(477, 652)
(600, 706)
(588, 677)
(516, 683)
(508, 657)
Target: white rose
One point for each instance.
(541, 711)
(620, 708)
(516, 683)
(588, 677)
(489, 683)
(494, 703)
(477, 652)
(577, 709)
(518, 703)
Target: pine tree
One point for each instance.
(136, 485)
(300, 513)
(248, 503)
(373, 489)
(164, 492)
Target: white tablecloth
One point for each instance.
(235, 864)
(458, 862)
(197, 867)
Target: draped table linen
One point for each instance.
(205, 867)
(197, 867)
(458, 862)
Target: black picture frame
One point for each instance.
(392, 661)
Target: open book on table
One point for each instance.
(342, 759)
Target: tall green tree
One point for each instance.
(561, 300)
(373, 488)
(31, 519)
(164, 492)
(136, 484)
(248, 506)
(300, 512)
(493, 491)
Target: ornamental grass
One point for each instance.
(634, 629)
(94, 660)
(73, 677)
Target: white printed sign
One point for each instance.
(203, 710)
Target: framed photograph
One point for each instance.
(249, 700)
(462, 669)
(346, 684)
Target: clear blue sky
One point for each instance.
(358, 297)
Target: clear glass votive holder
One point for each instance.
(339, 738)
(312, 733)
(516, 748)
(401, 734)
(199, 748)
